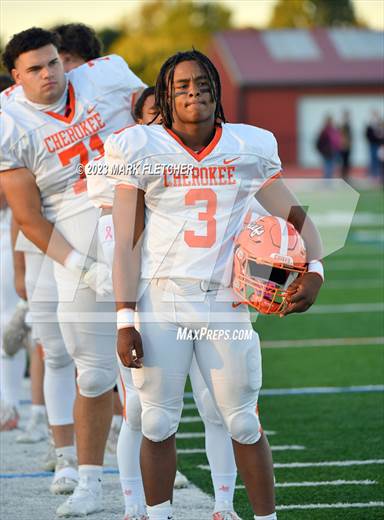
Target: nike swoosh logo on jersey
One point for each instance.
(90, 109)
(228, 161)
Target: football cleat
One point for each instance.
(132, 514)
(181, 481)
(66, 477)
(35, 431)
(16, 332)
(83, 502)
(226, 514)
(9, 417)
(269, 255)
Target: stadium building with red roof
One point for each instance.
(288, 80)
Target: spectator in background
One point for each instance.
(345, 145)
(78, 44)
(375, 135)
(329, 144)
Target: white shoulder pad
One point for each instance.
(108, 73)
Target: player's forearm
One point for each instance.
(18, 256)
(281, 202)
(43, 234)
(311, 236)
(126, 275)
(128, 220)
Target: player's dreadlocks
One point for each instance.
(165, 80)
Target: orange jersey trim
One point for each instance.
(69, 108)
(125, 398)
(271, 179)
(124, 127)
(205, 151)
(126, 187)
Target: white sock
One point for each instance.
(38, 409)
(90, 476)
(59, 393)
(224, 488)
(266, 517)
(116, 422)
(66, 452)
(128, 459)
(160, 511)
(133, 493)
(218, 446)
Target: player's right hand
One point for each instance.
(130, 347)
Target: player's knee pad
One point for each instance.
(132, 411)
(157, 424)
(94, 382)
(244, 426)
(207, 408)
(56, 356)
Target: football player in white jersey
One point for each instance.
(12, 368)
(182, 191)
(217, 441)
(52, 126)
(78, 44)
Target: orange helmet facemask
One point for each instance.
(269, 255)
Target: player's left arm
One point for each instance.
(276, 198)
(23, 197)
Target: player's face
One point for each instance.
(149, 111)
(191, 94)
(41, 74)
(70, 61)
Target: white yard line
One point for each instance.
(310, 390)
(368, 283)
(338, 505)
(323, 390)
(190, 419)
(321, 483)
(350, 265)
(333, 463)
(288, 447)
(346, 308)
(324, 342)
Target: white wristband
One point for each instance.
(73, 260)
(77, 262)
(316, 267)
(125, 318)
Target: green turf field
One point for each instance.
(335, 428)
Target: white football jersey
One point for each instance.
(195, 202)
(100, 188)
(56, 147)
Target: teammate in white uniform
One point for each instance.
(12, 368)
(53, 125)
(194, 177)
(218, 443)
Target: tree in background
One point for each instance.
(163, 27)
(305, 14)
(108, 37)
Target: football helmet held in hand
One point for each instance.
(269, 255)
